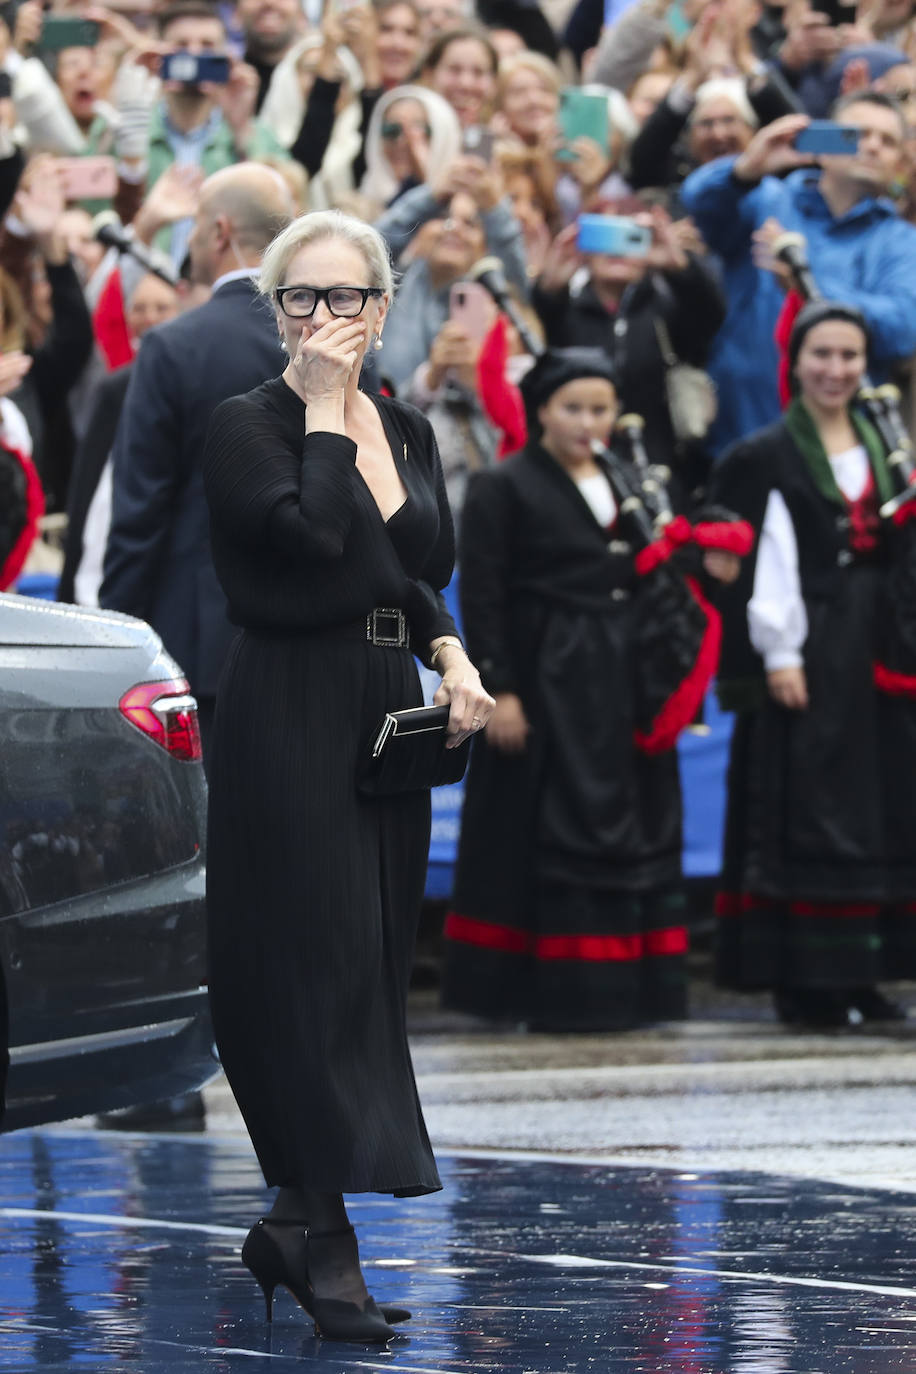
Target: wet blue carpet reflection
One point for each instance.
(121, 1253)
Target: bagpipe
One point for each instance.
(894, 670)
(879, 404)
(678, 632)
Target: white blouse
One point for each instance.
(597, 491)
(776, 618)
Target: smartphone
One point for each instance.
(837, 11)
(583, 114)
(88, 178)
(190, 69)
(618, 236)
(6, 85)
(60, 31)
(478, 141)
(470, 305)
(823, 136)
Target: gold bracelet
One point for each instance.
(444, 644)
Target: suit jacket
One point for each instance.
(158, 564)
(88, 465)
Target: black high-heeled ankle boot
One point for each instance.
(337, 1318)
(269, 1266)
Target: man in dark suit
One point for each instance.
(157, 561)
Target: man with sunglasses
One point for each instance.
(157, 560)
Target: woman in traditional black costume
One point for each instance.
(568, 907)
(819, 884)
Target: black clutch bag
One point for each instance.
(408, 754)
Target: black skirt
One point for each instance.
(568, 909)
(819, 878)
(314, 894)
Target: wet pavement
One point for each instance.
(121, 1254)
(686, 1200)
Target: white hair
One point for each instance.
(315, 227)
(730, 88)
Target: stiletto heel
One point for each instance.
(333, 1318)
(265, 1259)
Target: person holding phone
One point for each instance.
(210, 124)
(819, 876)
(446, 389)
(615, 301)
(859, 248)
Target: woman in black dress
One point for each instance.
(820, 875)
(332, 538)
(568, 907)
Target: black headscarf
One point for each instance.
(553, 369)
(818, 312)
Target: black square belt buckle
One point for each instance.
(387, 627)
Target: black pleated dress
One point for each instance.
(314, 891)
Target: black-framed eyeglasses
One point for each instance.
(345, 302)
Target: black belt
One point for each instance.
(386, 626)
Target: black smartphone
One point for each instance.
(837, 11)
(190, 69)
(6, 85)
(59, 31)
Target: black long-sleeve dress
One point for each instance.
(568, 911)
(313, 890)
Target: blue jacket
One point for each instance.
(865, 258)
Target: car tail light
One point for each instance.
(166, 712)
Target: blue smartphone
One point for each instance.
(615, 235)
(823, 136)
(190, 69)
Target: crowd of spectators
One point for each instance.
(455, 133)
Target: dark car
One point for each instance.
(102, 823)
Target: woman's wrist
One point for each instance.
(326, 413)
(445, 650)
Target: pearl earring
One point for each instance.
(377, 341)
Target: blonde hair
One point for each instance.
(530, 61)
(316, 227)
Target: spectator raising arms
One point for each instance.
(860, 250)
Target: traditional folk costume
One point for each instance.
(568, 911)
(819, 881)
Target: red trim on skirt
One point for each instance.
(588, 948)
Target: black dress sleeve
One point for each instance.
(429, 616)
(485, 562)
(261, 497)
